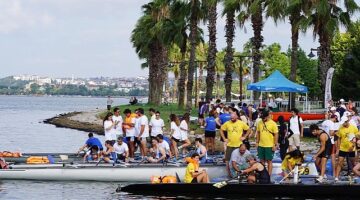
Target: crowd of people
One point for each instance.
(233, 125)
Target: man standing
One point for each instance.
(234, 129)
(346, 134)
(324, 152)
(266, 139)
(142, 131)
(296, 128)
(129, 129)
(109, 103)
(118, 120)
(238, 160)
(330, 128)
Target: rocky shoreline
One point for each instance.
(83, 121)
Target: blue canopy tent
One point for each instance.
(277, 82)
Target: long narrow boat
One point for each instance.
(304, 116)
(117, 173)
(243, 190)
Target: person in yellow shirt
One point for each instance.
(347, 132)
(193, 173)
(292, 158)
(235, 129)
(266, 139)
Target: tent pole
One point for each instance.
(307, 106)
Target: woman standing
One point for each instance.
(184, 130)
(109, 130)
(175, 134)
(210, 131)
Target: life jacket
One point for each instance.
(37, 160)
(10, 154)
(164, 179)
(194, 162)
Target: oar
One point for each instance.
(224, 183)
(292, 171)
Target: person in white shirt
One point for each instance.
(121, 149)
(156, 125)
(118, 120)
(238, 160)
(334, 112)
(184, 130)
(142, 131)
(129, 129)
(164, 144)
(296, 128)
(175, 134)
(152, 113)
(331, 128)
(109, 128)
(158, 153)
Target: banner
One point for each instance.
(329, 77)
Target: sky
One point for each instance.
(91, 38)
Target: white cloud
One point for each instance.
(15, 16)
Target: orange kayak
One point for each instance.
(304, 116)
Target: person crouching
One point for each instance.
(257, 171)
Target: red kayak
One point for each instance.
(304, 116)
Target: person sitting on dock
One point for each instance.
(109, 156)
(201, 150)
(93, 154)
(164, 144)
(324, 152)
(292, 158)
(121, 149)
(90, 142)
(193, 173)
(238, 160)
(158, 153)
(261, 174)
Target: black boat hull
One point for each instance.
(246, 190)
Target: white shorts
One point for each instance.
(294, 140)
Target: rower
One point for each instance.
(164, 144)
(121, 150)
(91, 141)
(292, 158)
(93, 154)
(109, 156)
(193, 173)
(158, 153)
(238, 160)
(261, 174)
(201, 150)
(324, 152)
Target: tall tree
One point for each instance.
(326, 17)
(153, 48)
(211, 59)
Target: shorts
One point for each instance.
(121, 157)
(201, 116)
(210, 134)
(265, 153)
(228, 153)
(176, 140)
(294, 140)
(108, 107)
(130, 139)
(326, 153)
(345, 154)
(194, 180)
(225, 134)
(138, 141)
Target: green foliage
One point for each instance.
(274, 59)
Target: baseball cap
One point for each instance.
(344, 119)
(342, 100)
(333, 108)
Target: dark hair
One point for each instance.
(95, 147)
(109, 142)
(107, 116)
(295, 110)
(120, 138)
(156, 139)
(313, 127)
(186, 117)
(160, 136)
(141, 110)
(355, 110)
(199, 140)
(296, 153)
(116, 109)
(281, 119)
(264, 114)
(212, 113)
(157, 112)
(90, 135)
(127, 111)
(175, 119)
(151, 109)
(194, 155)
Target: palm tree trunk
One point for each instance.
(257, 25)
(294, 50)
(182, 80)
(193, 43)
(211, 59)
(324, 59)
(230, 31)
(175, 87)
(217, 84)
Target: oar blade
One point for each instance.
(220, 184)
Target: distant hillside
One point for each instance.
(11, 82)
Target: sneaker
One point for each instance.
(336, 179)
(319, 180)
(325, 177)
(180, 147)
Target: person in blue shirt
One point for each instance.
(224, 117)
(210, 131)
(92, 141)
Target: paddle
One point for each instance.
(224, 183)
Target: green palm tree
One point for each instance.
(211, 59)
(196, 15)
(148, 40)
(326, 17)
(230, 7)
